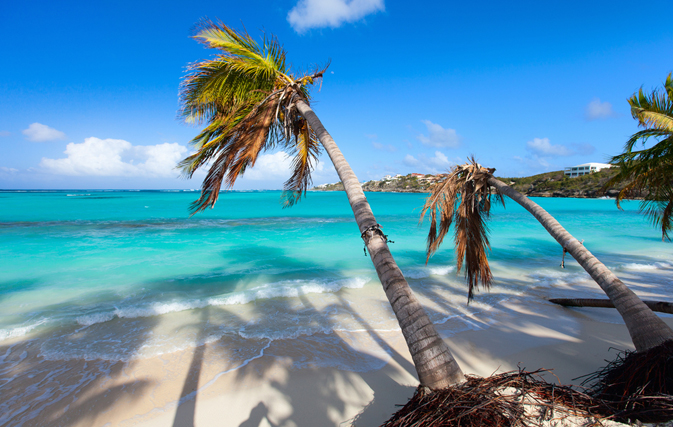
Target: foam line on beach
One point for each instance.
(284, 289)
(639, 267)
(423, 272)
(19, 331)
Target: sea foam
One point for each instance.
(283, 289)
(19, 331)
(423, 272)
(653, 266)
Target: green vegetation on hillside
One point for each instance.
(559, 185)
(550, 184)
(403, 184)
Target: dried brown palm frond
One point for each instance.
(464, 199)
(511, 399)
(521, 399)
(638, 385)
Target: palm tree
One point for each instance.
(650, 170)
(250, 102)
(464, 197)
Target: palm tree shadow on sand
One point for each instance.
(184, 415)
(326, 379)
(39, 390)
(316, 385)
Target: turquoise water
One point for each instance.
(94, 273)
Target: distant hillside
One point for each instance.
(412, 183)
(556, 184)
(550, 184)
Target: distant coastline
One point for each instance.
(549, 184)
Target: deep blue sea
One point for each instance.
(117, 275)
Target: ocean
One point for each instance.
(110, 277)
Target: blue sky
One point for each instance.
(89, 90)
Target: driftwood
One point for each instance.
(660, 306)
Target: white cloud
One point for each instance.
(383, 147)
(440, 160)
(438, 136)
(599, 110)
(542, 147)
(270, 167)
(276, 168)
(534, 164)
(307, 14)
(324, 172)
(8, 170)
(40, 133)
(116, 157)
(436, 164)
(410, 160)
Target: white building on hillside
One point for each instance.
(585, 169)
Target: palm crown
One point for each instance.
(464, 199)
(650, 169)
(245, 96)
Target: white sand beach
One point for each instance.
(198, 387)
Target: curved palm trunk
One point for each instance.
(646, 329)
(660, 306)
(432, 358)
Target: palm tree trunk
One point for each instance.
(646, 329)
(432, 358)
(660, 306)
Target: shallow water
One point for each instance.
(93, 282)
(114, 276)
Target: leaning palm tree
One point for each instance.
(250, 102)
(650, 170)
(464, 198)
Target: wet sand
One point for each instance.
(220, 384)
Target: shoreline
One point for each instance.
(201, 386)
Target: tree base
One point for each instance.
(638, 385)
(504, 400)
(525, 399)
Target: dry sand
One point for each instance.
(198, 387)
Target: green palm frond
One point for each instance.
(654, 119)
(659, 210)
(463, 199)
(648, 172)
(245, 53)
(641, 136)
(246, 98)
(654, 111)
